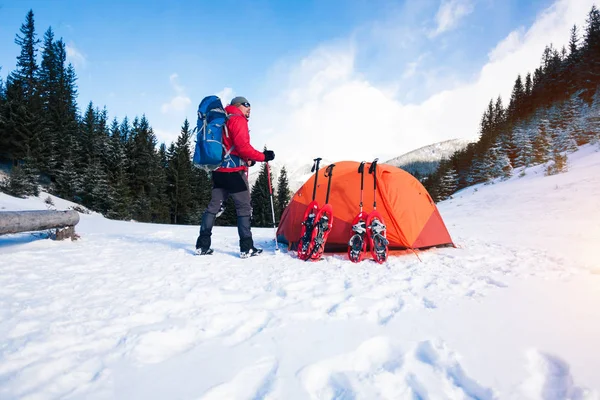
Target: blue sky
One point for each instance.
(310, 68)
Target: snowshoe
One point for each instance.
(376, 232)
(204, 252)
(357, 245)
(251, 253)
(323, 226)
(305, 245)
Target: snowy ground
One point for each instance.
(128, 311)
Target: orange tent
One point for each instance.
(412, 219)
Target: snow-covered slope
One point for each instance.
(129, 312)
(425, 160)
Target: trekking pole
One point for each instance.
(328, 174)
(373, 170)
(272, 207)
(314, 168)
(361, 171)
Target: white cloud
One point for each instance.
(226, 95)
(75, 57)
(166, 136)
(327, 109)
(178, 104)
(174, 112)
(450, 13)
(177, 109)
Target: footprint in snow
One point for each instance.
(379, 369)
(156, 346)
(254, 382)
(446, 367)
(383, 311)
(550, 379)
(251, 326)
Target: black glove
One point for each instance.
(250, 163)
(269, 155)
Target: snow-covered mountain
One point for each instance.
(129, 312)
(425, 160)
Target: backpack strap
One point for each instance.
(227, 116)
(227, 152)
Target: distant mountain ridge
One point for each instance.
(425, 160)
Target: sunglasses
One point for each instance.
(247, 105)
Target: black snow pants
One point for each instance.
(225, 184)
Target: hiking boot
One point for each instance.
(204, 252)
(251, 253)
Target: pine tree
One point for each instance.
(499, 114)
(261, 203)
(69, 183)
(67, 118)
(26, 72)
(49, 87)
(591, 120)
(572, 62)
(98, 193)
(159, 197)
(283, 193)
(229, 216)
(574, 110)
(23, 96)
(22, 181)
(589, 73)
(477, 172)
(117, 174)
(448, 184)
(143, 163)
(541, 143)
(179, 177)
(87, 137)
(201, 192)
(497, 163)
(561, 140)
(558, 165)
(524, 146)
(487, 125)
(4, 142)
(516, 99)
(573, 42)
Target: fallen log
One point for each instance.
(27, 221)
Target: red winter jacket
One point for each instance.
(239, 137)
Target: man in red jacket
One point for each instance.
(231, 179)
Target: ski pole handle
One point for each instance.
(328, 174)
(373, 170)
(361, 171)
(314, 168)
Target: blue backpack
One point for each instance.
(210, 151)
